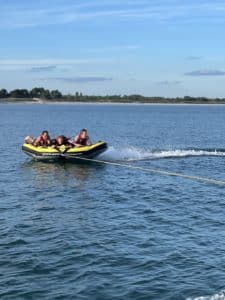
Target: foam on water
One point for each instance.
(217, 296)
(135, 154)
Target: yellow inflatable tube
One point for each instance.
(46, 153)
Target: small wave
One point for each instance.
(136, 154)
(217, 296)
(130, 153)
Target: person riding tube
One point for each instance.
(59, 141)
(43, 139)
(82, 139)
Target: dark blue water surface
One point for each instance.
(97, 231)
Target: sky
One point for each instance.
(165, 48)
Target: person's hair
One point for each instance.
(45, 131)
(28, 139)
(60, 137)
(83, 130)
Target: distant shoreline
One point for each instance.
(45, 96)
(66, 101)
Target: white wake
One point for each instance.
(217, 296)
(133, 153)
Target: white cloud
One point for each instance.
(41, 13)
(28, 64)
(115, 48)
(46, 61)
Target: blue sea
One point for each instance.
(92, 230)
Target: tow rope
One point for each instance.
(157, 171)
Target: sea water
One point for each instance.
(98, 231)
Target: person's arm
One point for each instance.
(37, 141)
(76, 140)
(68, 143)
(53, 143)
(89, 143)
(78, 145)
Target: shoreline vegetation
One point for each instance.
(41, 95)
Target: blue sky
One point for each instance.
(148, 47)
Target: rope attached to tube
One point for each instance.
(157, 171)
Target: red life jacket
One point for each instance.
(43, 142)
(81, 141)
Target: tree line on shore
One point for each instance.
(40, 93)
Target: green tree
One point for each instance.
(19, 93)
(37, 92)
(46, 94)
(55, 94)
(3, 93)
(40, 92)
(77, 96)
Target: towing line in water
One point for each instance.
(157, 171)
